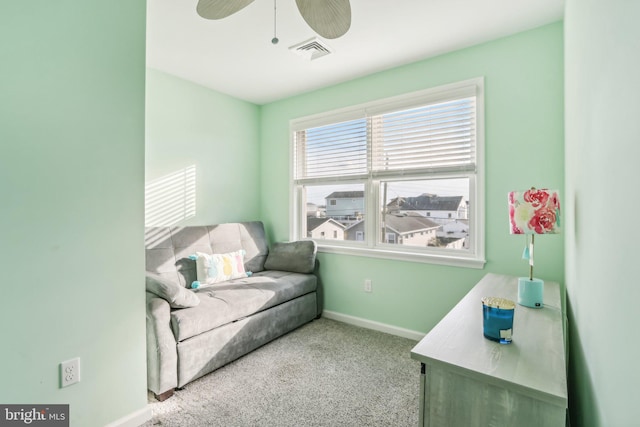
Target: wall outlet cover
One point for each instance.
(70, 372)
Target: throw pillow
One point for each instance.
(297, 257)
(176, 295)
(220, 267)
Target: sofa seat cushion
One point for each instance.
(225, 302)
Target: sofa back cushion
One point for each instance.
(168, 248)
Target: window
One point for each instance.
(401, 177)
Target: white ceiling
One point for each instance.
(235, 55)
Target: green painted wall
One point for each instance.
(524, 147)
(602, 42)
(71, 181)
(186, 125)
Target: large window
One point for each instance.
(397, 178)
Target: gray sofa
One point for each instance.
(191, 332)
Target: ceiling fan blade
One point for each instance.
(329, 18)
(218, 9)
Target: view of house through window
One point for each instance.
(431, 213)
(332, 209)
(395, 176)
(417, 213)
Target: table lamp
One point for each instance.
(531, 212)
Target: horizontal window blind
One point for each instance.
(429, 136)
(334, 150)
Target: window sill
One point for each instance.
(454, 261)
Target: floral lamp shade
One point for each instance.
(534, 211)
(531, 212)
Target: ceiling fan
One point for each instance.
(329, 18)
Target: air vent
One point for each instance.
(311, 49)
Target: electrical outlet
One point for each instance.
(367, 285)
(70, 372)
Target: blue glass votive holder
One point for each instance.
(497, 319)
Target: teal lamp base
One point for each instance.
(530, 292)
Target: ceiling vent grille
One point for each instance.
(311, 49)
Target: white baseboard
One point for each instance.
(377, 326)
(134, 419)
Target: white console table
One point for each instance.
(468, 380)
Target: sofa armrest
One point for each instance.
(162, 353)
(296, 257)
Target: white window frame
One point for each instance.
(474, 257)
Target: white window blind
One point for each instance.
(333, 150)
(433, 137)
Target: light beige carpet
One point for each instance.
(325, 373)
